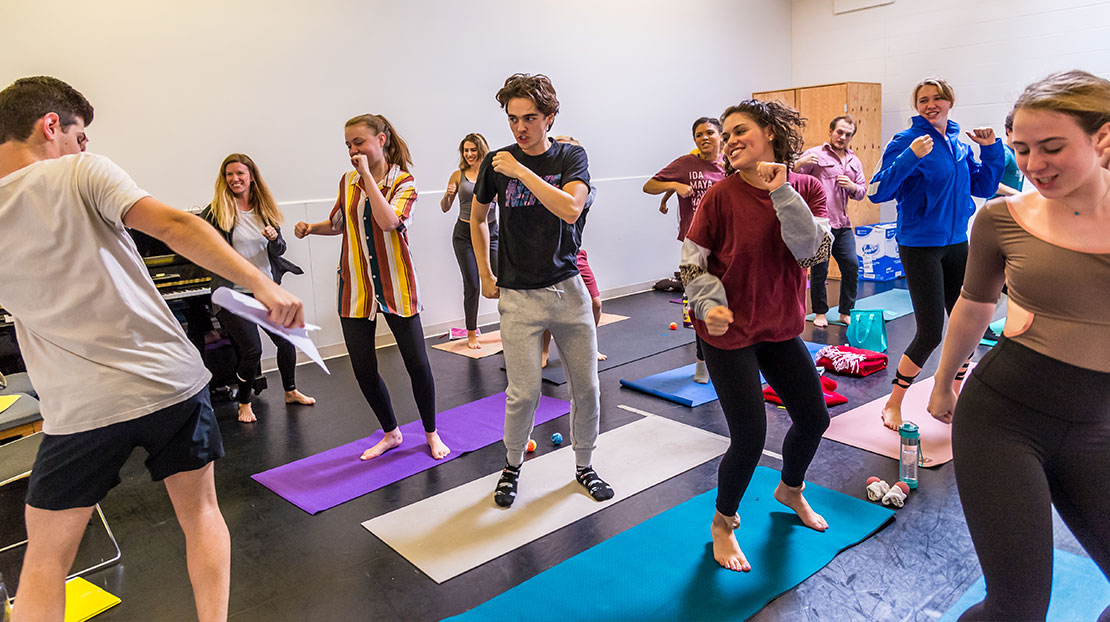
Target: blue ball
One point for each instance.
(556, 439)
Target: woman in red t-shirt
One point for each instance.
(743, 265)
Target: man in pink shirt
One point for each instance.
(841, 174)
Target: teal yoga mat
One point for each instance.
(996, 326)
(1079, 591)
(678, 386)
(894, 302)
(663, 568)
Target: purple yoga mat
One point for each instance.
(336, 476)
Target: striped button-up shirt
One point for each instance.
(375, 267)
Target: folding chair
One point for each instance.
(16, 460)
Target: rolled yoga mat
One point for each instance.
(863, 427)
(1079, 591)
(678, 386)
(336, 476)
(663, 568)
(461, 529)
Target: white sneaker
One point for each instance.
(701, 373)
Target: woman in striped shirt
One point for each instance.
(376, 272)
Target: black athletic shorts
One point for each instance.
(77, 470)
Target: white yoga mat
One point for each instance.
(455, 531)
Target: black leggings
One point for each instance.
(358, 334)
(248, 346)
(468, 266)
(934, 275)
(789, 369)
(1029, 432)
(844, 253)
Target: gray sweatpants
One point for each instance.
(564, 309)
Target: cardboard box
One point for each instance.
(877, 252)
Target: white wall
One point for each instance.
(989, 50)
(178, 86)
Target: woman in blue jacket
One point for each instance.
(932, 176)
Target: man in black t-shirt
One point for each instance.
(541, 186)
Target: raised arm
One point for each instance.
(451, 192)
(194, 239)
(900, 158)
(985, 176)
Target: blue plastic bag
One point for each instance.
(867, 330)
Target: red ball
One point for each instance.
(872, 480)
(903, 485)
(531, 444)
(674, 326)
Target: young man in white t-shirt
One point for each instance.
(111, 365)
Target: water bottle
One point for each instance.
(911, 453)
(686, 312)
(5, 606)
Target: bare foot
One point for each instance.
(437, 446)
(726, 550)
(246, 415)
(601, 357)
(296, 397)
(892, 415)
(793, 499)
(472, 340)
(845, 319)
(543, 358)
(389, 441)
(820, 321)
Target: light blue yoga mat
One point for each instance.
(663, 568)
(678, 386)
(894, 302)
(1079, 591)
(996, 326)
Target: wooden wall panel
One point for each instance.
(785, 96)
(819, 105)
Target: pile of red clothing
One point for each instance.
(851, 361)
(828, 387)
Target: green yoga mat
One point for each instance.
(895, 303)
(663, 568)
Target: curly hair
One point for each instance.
(536, 87)
(784, 122)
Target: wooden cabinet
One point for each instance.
(821, 104)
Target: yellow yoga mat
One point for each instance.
(85, 601)
(6, 401)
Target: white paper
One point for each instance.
(248, 308)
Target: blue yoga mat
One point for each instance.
(894, 302)
(678, 386)
(663, 568)
(1079, 591)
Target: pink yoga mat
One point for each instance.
(336, 476)
(863, 427)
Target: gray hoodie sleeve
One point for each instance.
(703, 290)
(808, 237)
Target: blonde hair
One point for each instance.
(224, 207)
(480, 142)
(396, 149)
(567, 139)
(1082, 95)
(945, 90)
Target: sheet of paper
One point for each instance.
(248, 308)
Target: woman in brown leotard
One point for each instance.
(1031, 429)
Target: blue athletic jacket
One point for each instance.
(934, 193)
